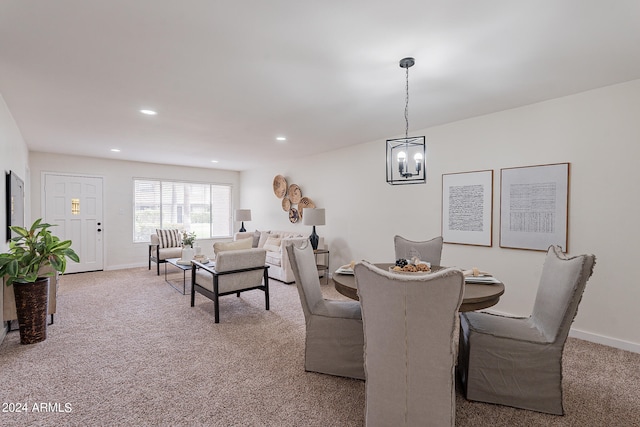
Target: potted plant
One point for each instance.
(34, 255)
(188, 238)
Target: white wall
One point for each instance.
(13, 157)
(119, 249)
(596, 131)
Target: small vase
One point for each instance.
(187, 253)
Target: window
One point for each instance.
(202, 208)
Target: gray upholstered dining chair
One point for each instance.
(518, 361)
(429, 251)
(334, 342)
(410, 323)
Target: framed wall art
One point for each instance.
(534, 206)
(467, 208)
(15, 202)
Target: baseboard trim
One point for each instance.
(591, 337)
(135, 265)
(608, 341)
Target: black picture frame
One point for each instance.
(15, 202)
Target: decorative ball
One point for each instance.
(401, 262)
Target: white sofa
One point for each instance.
(277, 258)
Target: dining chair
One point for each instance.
(517, 361)
(410, 323)
(429, 251)
(334, 339)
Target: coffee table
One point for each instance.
(184, 268)
(476, 295)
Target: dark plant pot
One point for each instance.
(32, 301)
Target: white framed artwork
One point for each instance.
(534, 206)
(467, 208)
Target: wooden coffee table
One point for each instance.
(476, 296)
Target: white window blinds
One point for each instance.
(201, 208)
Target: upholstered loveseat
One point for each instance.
(275, 242)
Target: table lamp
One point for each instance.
(313, 216)
(243, 215)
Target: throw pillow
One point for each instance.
(169, 238)
(256, 239)
(264, 235)
(272, 244)
(232, 246)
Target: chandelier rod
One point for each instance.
(406, 109)
(406, 63)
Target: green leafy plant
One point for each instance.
(188, 238)
(33, 249)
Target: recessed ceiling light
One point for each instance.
(281, 138)
(214, 161)
(115, 150)
(148, 112)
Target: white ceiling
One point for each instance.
(227, 77)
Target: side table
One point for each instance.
(322, 265)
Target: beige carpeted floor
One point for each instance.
(127, 349)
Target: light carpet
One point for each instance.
(127, 349)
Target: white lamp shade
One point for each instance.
(243, 214)
(313, 216)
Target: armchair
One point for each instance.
(517, 361)
(235, 271)
(164, 244)
(429, 251)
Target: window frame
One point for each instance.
(141, 233)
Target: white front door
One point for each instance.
(74, 204)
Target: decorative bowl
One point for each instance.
(391, 270)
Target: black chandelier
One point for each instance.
(406, 156)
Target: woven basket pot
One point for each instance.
(31, 307)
